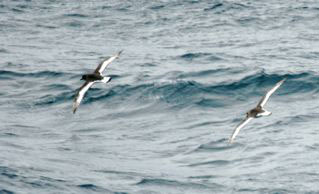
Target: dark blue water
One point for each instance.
(189, 72)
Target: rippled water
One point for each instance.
(189, 72)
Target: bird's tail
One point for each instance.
(106, 79)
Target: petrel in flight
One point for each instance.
(256, 112)
(92, 78)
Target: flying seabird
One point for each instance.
(256, 112)
(92, 78)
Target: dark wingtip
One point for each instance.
(284, 79)
(119, 53)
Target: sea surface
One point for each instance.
(189, 71)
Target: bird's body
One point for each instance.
(92, 78)
(256, 112)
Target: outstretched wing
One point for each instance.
(80, 94)
(265, 98)
(105, 63)
(241, 125)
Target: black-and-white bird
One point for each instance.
(92, 78)
(256, 112)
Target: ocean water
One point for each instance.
(189, 71)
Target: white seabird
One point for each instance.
(256, 112)
(92, 78)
